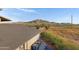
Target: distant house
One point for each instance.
(2, 19)
(17, 36)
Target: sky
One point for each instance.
(60, 15)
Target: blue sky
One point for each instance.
(60, 15)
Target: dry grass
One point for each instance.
(62, 38)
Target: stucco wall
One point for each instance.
(27, 45)
(33, 40)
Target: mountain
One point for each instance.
(39, 21)
(44, 23)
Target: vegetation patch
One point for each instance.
(60, 42)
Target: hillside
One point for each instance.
(43, 23)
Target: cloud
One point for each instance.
(27, 10)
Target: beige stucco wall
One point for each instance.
(20, 48)
(27, 45)
(33, 40)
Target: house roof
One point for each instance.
(4, 19)
(13, 35)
